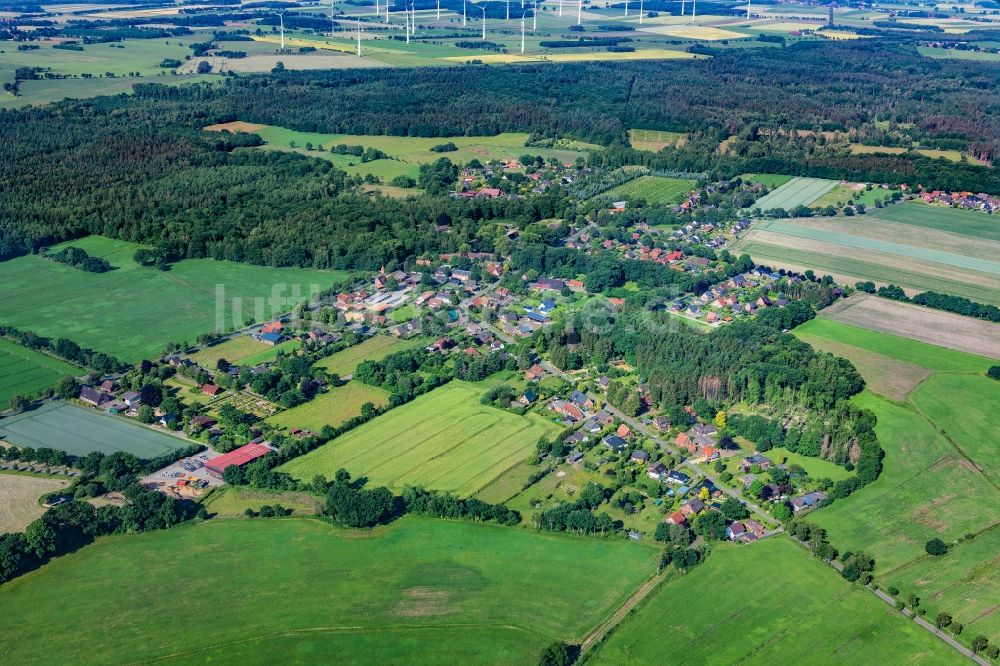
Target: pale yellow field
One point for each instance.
(789, 26)
(645, 54)
(703, 32)
(859, 149)
(839, 34)
(19, 496)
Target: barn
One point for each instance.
(238, 457)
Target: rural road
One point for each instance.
(601, 630)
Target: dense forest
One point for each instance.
(141, 168)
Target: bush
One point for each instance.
(936, 547)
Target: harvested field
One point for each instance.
(234, 127)
(934, 327)
(703, 32)
(19, 496)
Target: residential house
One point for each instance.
(581, 399)
(94, 396)
(656, 471)
(661, 423)
(692, 507)
(623, 431)
(210, 389)
(676, 518)
(807, 501)
(534, 373)
(528, 397)
(756, 459)
(639, 456)
(615, 443)
(677, 478)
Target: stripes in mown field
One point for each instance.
(798, 191)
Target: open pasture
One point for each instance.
(736, 609)
(799, 191)
(978, 338)
(233, 350)
(332, 408)
(933, 482)
(231, 502)
(652, 189)
(374, 348)
(964, 583)
(769, 180)
(139, 309)
(955, 54)
(78, 431)
(24, 371)
(19, 495)
(443, 440)
(299, 589)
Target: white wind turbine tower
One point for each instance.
(406, 20)
(359, 36)
(748, 10)
(413, 20)
(463, 13)
(626, 7)
(386, 11)
(560, 8)
(484, 21)
(332, 23)
(439, 10)
(534, 17)
(694, 10)
(281, 17)
(640, 12)
(377, 11)
(579, 13)
(682, 7)
(508, 11)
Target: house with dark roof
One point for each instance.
(639, 456)
(94, 396)
(756, 459)
(615, 443)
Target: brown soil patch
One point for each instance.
(906, 320)
(235, 127)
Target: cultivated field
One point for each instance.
(935, 327)
(770, 180)
(298, 589)
(652, 189)
(654, 140)
(736, 609)
(374, 348)
(843, 194)
(857, 248)
(19, 495)
(954, 220)
(26, 372)
(140, 310)
(444, 440)
(798, 191)
(331, 408)
(78, 431)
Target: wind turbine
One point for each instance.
(626, 7)
(508, 11)
(333, 24)
(534, 17)
(413, 19)
(359, 36)
(386, 11)
(640, 12)
(579, 13)
(281, 17)
(522, 34)
(463, 13)
(406, 19)
(748, 10)
(682, 7)
(439, 10)
(694, 10)
(484, 21)
(560, 8)
(377, 12)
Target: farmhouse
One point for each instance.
(744, 531)
(807, 501)
(239, 457)
(94, 396)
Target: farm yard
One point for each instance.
(652, 189)
(443, 440)
(939, 478)
(934, 327)
(129, 319)
(19, 495)
(332, 408)
(446, 583)
(24, 371)
(826, 620)
(854, 249)
(796, 192)
(374, 348)
(78, 431)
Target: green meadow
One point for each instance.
(374, 348)
(954, 220)
(652, 189)
(26, 372)
(134, 311)
(939, 477)
(767, 603)
(443, 440)
(332, 408)
(299, 589)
